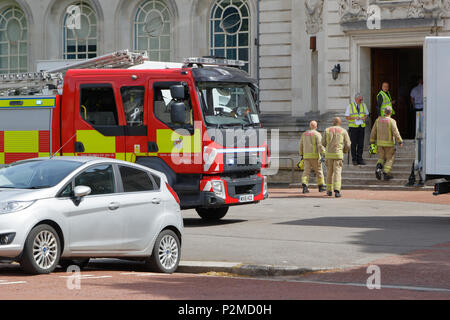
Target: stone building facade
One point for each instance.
(291, 46)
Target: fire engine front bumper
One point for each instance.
(220, 191)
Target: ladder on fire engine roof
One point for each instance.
(46, 82)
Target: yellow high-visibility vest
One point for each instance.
(354, 112)
(387, 102)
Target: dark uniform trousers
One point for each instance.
(357, 139)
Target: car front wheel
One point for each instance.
(41, 251)
(166, 253)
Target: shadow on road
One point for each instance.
(197, 223)
(391, 222)
(392, 234)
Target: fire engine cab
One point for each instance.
(196, 121)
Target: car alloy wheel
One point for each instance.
(45, 249)
(168, 252)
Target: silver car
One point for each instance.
(65, 210)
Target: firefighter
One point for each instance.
(336, 142)
(383, 133)
(310, 150)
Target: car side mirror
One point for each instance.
(81, 191)
(178, 112)
(177, 92)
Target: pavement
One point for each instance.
(290, 246)
(315, 232)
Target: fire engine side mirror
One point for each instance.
(178, 112)
(177, 92)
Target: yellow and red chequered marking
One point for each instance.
(22, 145)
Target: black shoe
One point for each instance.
(355, 163)
(420, 184)
(337, 194)
(387, 176)
(322, 188)
(329, 193)
(305, 188)
(362, 162)
(379, 171)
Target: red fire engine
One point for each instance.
(196, 121)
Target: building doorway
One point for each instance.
(401, 67)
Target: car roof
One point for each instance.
(85, 159)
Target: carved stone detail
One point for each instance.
(356, 10)
(429, 9)
(314, 10)
(352, 10)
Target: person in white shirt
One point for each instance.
(417, 96)
(356, 114)
(417, 103)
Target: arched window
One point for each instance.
(230, 30)
(152, 30)
(80, 32)
(13, 41)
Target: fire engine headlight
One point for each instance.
(14, 206)
(218, 188)
(265, 187)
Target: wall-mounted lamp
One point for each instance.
(335, 71)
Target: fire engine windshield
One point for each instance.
(227, 104)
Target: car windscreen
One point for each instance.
(36, 174)
(227, 104)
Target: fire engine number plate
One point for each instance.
(246, 198)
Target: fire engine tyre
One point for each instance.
(212, 214)
(80, 263)
(166, 253)
(41, 251)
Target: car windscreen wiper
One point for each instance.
(39, 187)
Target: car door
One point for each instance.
(141, 206)
(94, 222)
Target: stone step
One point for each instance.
(373, 161)
(371, 168)
(373, 181)
(369, 175)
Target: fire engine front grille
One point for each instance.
(246, 189)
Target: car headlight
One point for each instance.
(14, 206)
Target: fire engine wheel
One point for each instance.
(212, 214)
